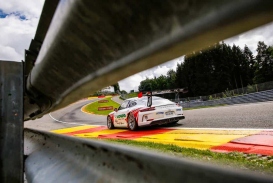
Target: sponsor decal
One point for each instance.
(160, 113)
(169, 113)
(121, 116)
(105, 108)
(119, 122)
(103, 101)
(178, 109)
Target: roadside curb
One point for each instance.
(216, 140)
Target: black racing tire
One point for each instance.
(132, 123)
(110, 124)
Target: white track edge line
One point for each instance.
(71, 123)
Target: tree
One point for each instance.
(116, 87)
(216, 69)
(264, 63)
(251, 64)
(170, 79)
(123, 92)
(213, 70)
(144, 84)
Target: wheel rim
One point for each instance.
(109, 122)
(131, 121)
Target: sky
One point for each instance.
(19, 20)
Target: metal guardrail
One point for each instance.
(235, 92)
(92, 44)
(59, 158)
(263, 96)
(11, 121)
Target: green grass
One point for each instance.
(131, 95)
(93, 107)
(262, 164)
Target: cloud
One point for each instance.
(132, 82)
(28, 8)
(16, 33)
(9, 54)
(19, 20)
(161, 70)
(252, 37)
(249, 38)
(18, 27)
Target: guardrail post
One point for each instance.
(11, 122)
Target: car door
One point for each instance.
(121, 115)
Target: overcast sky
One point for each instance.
(19, 19)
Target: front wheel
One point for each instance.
(132, 124)
(110, 124)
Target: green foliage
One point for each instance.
(250, 89)
(131, 95)
(264, 63)
(123, 92)
(228, 93)
(219, 67)
(116, 87)
(160, 83)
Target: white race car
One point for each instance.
(134, 113)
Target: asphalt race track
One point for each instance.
(243, 128)
(257, 115)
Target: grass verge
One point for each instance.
(262, 164)
(93, 107)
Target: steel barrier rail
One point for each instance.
(93, 44)
(263, 96)
(59, 158)
(32, 52)
(11, 121)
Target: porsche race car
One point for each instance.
(135, 112)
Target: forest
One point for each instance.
(220, 67)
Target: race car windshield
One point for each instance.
(123, 105)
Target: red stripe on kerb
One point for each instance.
(134, 134)
(260, 143)
(245, 148)
(262, 139)
(89, 130)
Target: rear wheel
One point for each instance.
(110, 124)
(132, 124)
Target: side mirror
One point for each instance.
(115, 109)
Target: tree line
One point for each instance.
(220, 67)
